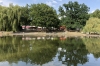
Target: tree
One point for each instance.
(43, 15)
(25, 18)
(74, 15)
(92, 25)
(10, 18)
(3, 18)
(96, 13)
(14, 16)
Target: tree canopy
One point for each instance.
(92, 25)
(10, 18)
(43, 15)
(96, 13)
(14, 16)
(25, 17)
(74, 15)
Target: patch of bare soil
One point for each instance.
(66, 33)
(75, 34)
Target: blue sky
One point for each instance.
(93, 4)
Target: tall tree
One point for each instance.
(10, 18)
(25, 18)
(3, 18)
(43, 15)
(14, 15)
(96, 13)
(74, 15)
(92, 25)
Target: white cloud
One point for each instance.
(6, 2)
(1, 2)
(51, 3)
(91, 11)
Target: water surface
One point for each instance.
(49, 51)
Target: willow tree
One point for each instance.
(3, 18)
(10, 18)
(14, 16)
(92, 25)
(96, 13)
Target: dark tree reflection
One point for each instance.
(74, 52)
(14, 49)
(42, 50)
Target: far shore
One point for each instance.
(66, 33)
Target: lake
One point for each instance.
(49, 51)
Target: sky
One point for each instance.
(93, 4)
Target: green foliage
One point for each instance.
(96, 13)
(75, 51)
(10, 18)
(13, 17)
(25, 18)
(43, 15)
(14, 49)
(93, 46)
(74, 15)
(92, 25)
(3, 17)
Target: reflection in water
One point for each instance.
(76, 52)
(93, 46)
(14, 49)
(48, 51)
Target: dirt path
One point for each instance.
(53, 33)
(67, 34)
(75, 34)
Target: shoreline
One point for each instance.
(66, 33)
